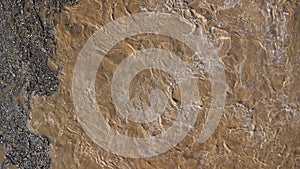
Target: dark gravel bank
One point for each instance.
(26, 45)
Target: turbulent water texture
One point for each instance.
(257, 42)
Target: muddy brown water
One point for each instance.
(259, 46)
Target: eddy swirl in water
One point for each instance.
(91, 55)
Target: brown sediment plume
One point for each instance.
(257, 44)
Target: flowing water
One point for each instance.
(258, 44)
